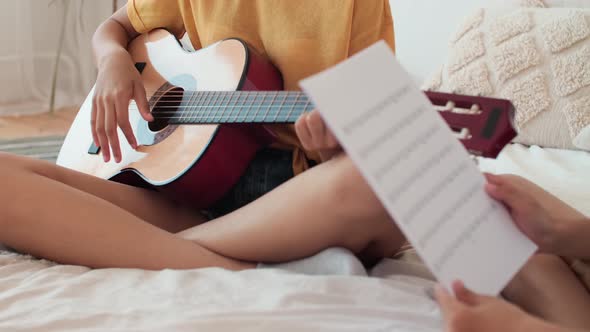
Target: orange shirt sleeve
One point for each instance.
(147, 15)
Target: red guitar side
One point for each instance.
(220, 91)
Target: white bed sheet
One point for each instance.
(564, 173)
(39, 296)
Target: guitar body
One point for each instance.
(196, 164)
(210, 112)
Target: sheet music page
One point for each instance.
(421, 173)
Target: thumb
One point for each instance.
(465, 295)
(447, 303)
(503, 192)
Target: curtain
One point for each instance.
(29, 33)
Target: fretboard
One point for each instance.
(206, 107)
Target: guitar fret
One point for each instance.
(223, 108)
(260, 103)
(235, 109)
(226, 106)
(292, 108)
(249, 106)
(213, 107)
(186, 110)
(280, 107)
(180, 113)
(201, 106)
(193, 100)
(217, 116)
(270, 106)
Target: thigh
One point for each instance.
(49, 219)
(329, 205)
(548, 288)
(143, 203)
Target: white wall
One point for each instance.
(29, 31)
(423, 29)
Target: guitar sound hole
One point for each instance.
(166, 109)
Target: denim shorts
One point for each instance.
(269, 169)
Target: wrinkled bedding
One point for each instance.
(37, 295)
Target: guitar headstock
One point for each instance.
(484, 125)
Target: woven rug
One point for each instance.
(46, 148)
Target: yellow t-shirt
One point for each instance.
(301, 37)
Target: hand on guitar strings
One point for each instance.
(315, 135)
(117, 84)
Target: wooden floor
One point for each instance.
(41, 125)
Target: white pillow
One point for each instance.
(549, 3)
(423, 27)
(536, 57)
(568, 3)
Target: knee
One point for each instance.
(12, 161)
(6, 159)
(526, 279)
(9, 162)
(349, 191)
(540, 263)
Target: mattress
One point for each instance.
(37, 295)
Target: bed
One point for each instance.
(37, 295)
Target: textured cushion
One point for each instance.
(549, 3)
(422, 29)
(538, 58)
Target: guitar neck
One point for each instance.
(222, 107)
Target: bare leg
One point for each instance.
(144, 204)
(104, 223)
(329, 205)
(548, 288)
(46, 218)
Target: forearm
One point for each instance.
(579, 239)
(112, 37)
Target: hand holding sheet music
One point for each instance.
(420, 172)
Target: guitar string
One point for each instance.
(197, 109)
(279, 117)
(244, 92)
(273, 108)
(190, 113)
(182, 96)
(240, 96)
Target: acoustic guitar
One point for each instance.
(211, 109)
